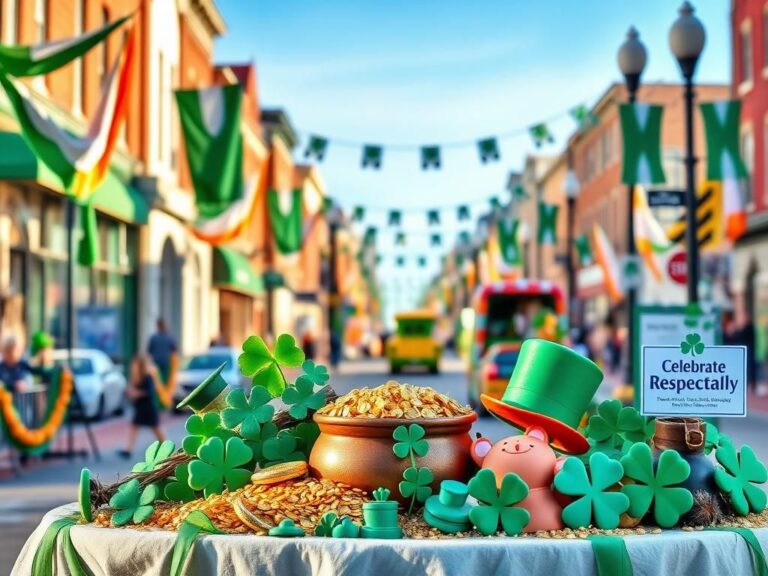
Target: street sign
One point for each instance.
(677, 268)
(659, 198)
(630, 272)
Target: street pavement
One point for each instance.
(43, 485)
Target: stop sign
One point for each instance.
(677, 268)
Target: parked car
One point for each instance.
(414, 343)
(100, 383)
(198, 367)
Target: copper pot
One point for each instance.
(358, 451)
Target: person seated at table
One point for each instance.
(15, 372)
(141, 391)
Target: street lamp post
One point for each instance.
(686, 40)
(334, 217)
(571, 189)
(632, 58)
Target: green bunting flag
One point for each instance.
(210, 122)
(395, 217)
(495, 204)
(583, 250)
(583, 116)
(435, 240)
(358, 214)
(488, 149)
(372, 156)
(400, 261)
(316, 148)
(641, 137)
(430, 157)
(547, 233)
(286, 224)
(518, 193)
(400, 239)
(464, 237)
(370, 235)
(43, 58)
(541, 135)
(422, 261)
(721, 126)
(509, 247)
(462, 213)
(433, 217)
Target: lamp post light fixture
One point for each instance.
(571, 188)
(686, 40)
(632, 58)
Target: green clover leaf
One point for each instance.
(256, 443)
(738, 478)
(306, 433)
(381, 494)
(409, 440)
(282, 448)
(154, 456)
(248, 413)
(286, 351)
(218, 466)
(315, 372)
(177, 489)
(692, 345)
(258, 362)
(594, 500)
(498, 505)
(200, 427)
(416, 484)
(614, 423)
(328, 522)
(302, 398)
(132, 503)
(657, 488)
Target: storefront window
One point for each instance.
(53, 232)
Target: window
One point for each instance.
(745, 42)
(77, 71)
(748, 154)
(160, 106)
(41, 21)
(10, 18)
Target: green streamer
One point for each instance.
(195, 523)
(758, 556)
(42, 563)
(70, 554)
(611, 557)
(88, 248)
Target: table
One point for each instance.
(118, 552)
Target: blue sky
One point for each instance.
(416, 72)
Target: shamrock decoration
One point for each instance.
(306, 433)
(258, 361)
(132, 503)
(738, 478)
(593, 498)
(659, 488)
(177, 489)
(410, 441)
(218, 466)
(416, 484)
(256, 442)
(381, 494)
(494, 505)
(692, 345)
(200, 427)
(248, 413)
(280, 449)
(154, 456)
(301, 398)
(317, 373)
(614, 423)
(714, 439)
(328, 522)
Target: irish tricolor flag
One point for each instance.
(650, 238)
(609, 264)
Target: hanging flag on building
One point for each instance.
(435, 240)
(724, 161)
(430, 157)
(422, 261)
(519, 194)
(464, 237)
(488, 149)
(540, 134)
(507, 237)
(547, 232)
(400, 239)
(372, 156)
(641, 139)
(495, 204)
(609, 264)
(583, 116)
(358, 213)
(400, 261)
(395, 217)
(433, 217)
(370, 235)
(316, 148)
(650, 238)
(583, 250)
(462, 213)
(285, 218)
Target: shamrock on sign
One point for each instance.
(302, 397)
(248, 413)
(263, 365)
(498, 505)
(416, 484)
(154, 456)
(593, 499)
(131, 503)
(200, 427)
(614, 423)
(409, 440)
(317, 373)
(739, 476)
(177, 489)
(328, 522)
(659, 488)
(218, 466)
(692, 345)
(282, 448)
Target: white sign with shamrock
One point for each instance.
(694, 379)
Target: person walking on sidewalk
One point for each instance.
(141, 391)
(161, 347)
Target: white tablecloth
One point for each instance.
(125, 552)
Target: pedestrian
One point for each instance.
(580, 342)
(308, 344)
(141, 392)
(15, 372)
(161, 347)
(41, 351)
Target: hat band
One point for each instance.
(535, 401)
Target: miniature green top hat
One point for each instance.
(205, 392)
(448, 511)
(40, 341)
(551, 387)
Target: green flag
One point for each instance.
(464, 237)
(435, 240)
(721, 126)
(541, 134)
(210, 122)
(583, 116)
(495, 204)
(46, 57)
(430, 157)
(641, 137)
(488, 149)
(372, 156)
(422, 261)
(433, 217)
(286, 221)
(400, 239)
(518, 193)
(462, 213)
(547, 233)
(370, 235)
(316, 148)
(509, 247)
(395, 217)
(400, 261)
(583, 250)
(358, 214)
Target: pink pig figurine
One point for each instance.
(530, 457)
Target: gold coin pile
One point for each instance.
(395, 400)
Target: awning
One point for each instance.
(114, 197)
(233, 271)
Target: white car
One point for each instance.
(99, 382)
(198, 367)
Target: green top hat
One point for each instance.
(448, 511)
(206, 392)
(551, 387)
(40, 341)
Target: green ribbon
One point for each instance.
(42, 563)
(70, 554)
(758, 556)
(195, 523)
(611, 557)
